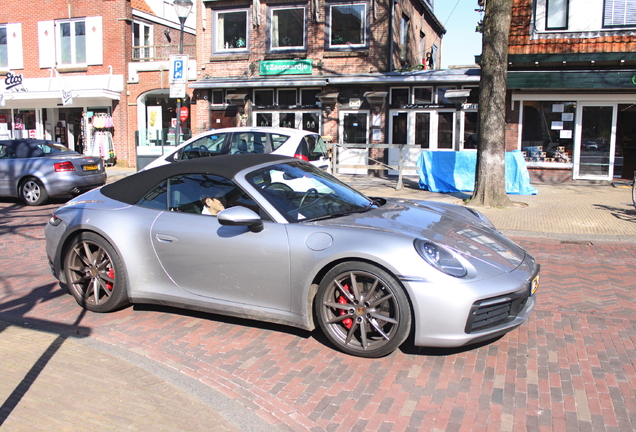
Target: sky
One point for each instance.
(461, 43)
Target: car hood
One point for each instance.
(452, 226)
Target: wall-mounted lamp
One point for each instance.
(237, 99)
(376, 99)
(456, 96)
(328, 100)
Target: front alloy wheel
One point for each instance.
(94, 273)
(363, 310)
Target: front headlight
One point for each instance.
(441, 258)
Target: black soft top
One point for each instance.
(132, 188)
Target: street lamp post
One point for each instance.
(182, 7)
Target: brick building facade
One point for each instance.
(572, 88)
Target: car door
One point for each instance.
(8, 170)
(228, 263)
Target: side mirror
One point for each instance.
(241, 216)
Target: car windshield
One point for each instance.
(302, 192)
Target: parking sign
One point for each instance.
(178, 69)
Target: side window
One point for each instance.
(156, 198)
(6, 152)
(210, 145)
(347, 24)
(287, 28)
(248, 142)
(278, 140)
(4, 48)
(231, 31)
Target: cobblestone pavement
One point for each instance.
(571, 367)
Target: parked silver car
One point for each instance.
(301, 144)
(277, 239)
(35, 170)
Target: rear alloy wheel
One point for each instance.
(94, 274)
(32, 192)
(363, 310)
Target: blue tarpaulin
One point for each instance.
(442, 171)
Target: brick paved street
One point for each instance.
(571, 367)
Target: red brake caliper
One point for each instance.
(347, 322)
(111, 274)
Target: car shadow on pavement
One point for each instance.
(14, 313)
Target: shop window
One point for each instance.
(263, 97)
(217, 97)
(423, 95)
(231, 31)
(557, 14)
(142, 41)
(423, 130)
(548, 131)
(287, 97)
(71, 36)
(287, 28)
(4, 48)
(287, 120)
(264, 119)
(619, 13)
(445, 130)
(400, 96)
(308, 97)
(347, 25)
(470, 130)
(311, 122)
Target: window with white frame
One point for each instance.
(619, 13)
(231, 31)
(4, 48)
(423, 95)
(557, 14)
(404, 38)
(142, 41)
(71, 37)
(347, 25)
(287, 28)
(400, 96)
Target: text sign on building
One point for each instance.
(178, 72)
(286, 67)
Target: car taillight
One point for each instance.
(301, 157)
(64, 166)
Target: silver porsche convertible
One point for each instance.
(276, 239)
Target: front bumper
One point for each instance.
(461, 315)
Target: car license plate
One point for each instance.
(534, 286)
(90, 167)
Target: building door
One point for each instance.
(595, 142)
(354, 129)
(223, 118)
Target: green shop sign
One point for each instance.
(285, 67)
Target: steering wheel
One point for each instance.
(311, 191)
(203, 149)
(278, 187)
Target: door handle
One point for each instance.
(164, 238)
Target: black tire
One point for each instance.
(33, 192)
(373, 302)
(95, 274)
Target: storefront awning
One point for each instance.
(430, 77)
(46, 92)
(579, 79)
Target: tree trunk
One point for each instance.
(490, 183)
